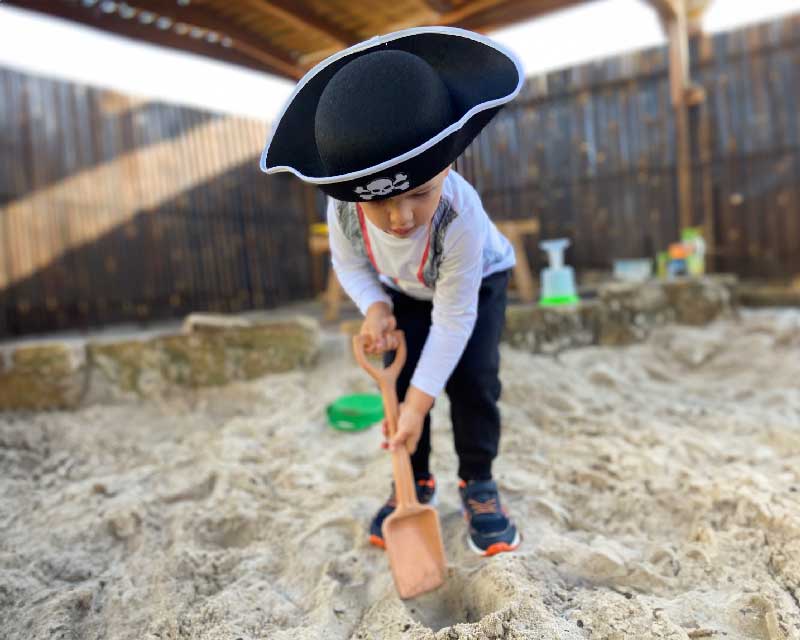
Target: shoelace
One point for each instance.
(479, 508)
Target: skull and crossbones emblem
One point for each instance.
(383, 186)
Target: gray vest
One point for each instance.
(347, 216)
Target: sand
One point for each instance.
(656, 487)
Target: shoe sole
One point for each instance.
(492, 549)
(377, 541)
(497, 547)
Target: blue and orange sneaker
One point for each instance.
(426, 494)
(491, 531)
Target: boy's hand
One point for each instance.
(377, 325)
(409, 429)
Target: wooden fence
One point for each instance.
(116, 209)
(591, 150)
(112, 209)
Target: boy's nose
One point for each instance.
(401, 217)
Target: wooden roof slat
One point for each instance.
(473, 8)
(495, 15)
(439, 6)
(301, 18)
(246, 42)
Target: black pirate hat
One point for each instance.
(388, 114)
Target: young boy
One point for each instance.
(377, 127)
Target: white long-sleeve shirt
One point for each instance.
(443, 262)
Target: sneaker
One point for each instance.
(491, 531)
(426, 494)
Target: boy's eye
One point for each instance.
(422, 194)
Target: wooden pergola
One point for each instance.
(288, 37)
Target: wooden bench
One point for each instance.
(515, 231)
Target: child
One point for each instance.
(377, 127)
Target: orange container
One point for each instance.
(678, 251)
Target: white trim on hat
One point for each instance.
(373, 42)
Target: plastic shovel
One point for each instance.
(412, 534)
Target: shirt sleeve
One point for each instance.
(355, 273)
(455, 309)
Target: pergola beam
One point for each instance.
(241, 49)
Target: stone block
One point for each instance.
(201, 357)
(42, 376)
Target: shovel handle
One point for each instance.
(388, 374)
(387, 381)
(385, 377)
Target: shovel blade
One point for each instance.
(413, 540)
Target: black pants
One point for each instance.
(474, 385)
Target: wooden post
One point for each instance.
(677, 32)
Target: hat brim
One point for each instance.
(453, 53)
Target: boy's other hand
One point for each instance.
(377, 327)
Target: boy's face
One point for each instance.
(401, 215)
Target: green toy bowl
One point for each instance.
(355, 412)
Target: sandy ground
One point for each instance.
(656, 487)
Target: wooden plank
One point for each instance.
(488, 16)
(786, 102)
(8, 235)
(201, 209)
(32, 287)
(224, 251)
(250, 245)
(7, 125)
(199, 217)
(65, 151)
(48, 210)
(668, 9)
(15, 242)
(677, 34)
(81, 215)
(149, 236)
(177, 264)
(718, 102)
(736, 172)
(303, 18)
(705, 159)
(219, 193)
(761, 198)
